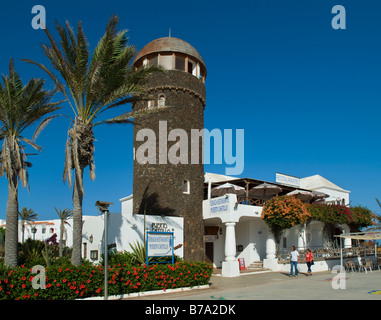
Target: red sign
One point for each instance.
(241, 264)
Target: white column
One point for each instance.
(302, 237)
(209, 189)
(271, 262)
(270, 246)
(230, 245)
(347, 241)
(230, 267)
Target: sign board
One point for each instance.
(219, 205)
(241, 264)
(159, 244)
(209, 238)
(160, 227)
(287, 180)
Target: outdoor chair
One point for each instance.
(366, 265)
(352, 265)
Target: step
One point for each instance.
(256, 265)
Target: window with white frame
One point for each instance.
(192, 67)
(151, 104)
(186, 186)
(161, 101)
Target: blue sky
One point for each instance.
(307, 96)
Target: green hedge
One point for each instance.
(65, 281)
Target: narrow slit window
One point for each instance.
(186, 187)
(161, 101)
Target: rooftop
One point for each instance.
(169, 44)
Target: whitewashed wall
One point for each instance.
(125, 228)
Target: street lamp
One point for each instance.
(34, 230)
(103, 208)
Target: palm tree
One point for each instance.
(20, 107)
(26, 216)
(97, 82)
(64, 215)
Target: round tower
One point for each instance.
(171, 178)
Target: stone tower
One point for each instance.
(176, 100)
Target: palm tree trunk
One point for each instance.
(76, 256)
(11, 231)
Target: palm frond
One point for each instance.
(122, 119)
(20, 107)
(92, 83)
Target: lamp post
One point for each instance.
(34, 230)
(103, 208)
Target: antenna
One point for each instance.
(169, 35)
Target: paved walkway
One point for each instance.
(279, 286)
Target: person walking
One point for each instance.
(294, 259)
(309, 258)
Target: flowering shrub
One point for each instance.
(284, 212)
(65, 281)
(356, 217)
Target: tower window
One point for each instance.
(186, 187)
(192, 67)
(151, 104)
(166, 61)
(153, 61)
(161, 101)
(180, 63)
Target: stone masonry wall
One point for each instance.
(158, 188)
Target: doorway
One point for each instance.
(209, 252)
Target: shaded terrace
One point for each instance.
(247, 184)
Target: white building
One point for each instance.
(234, 229)
(123, 228)
(126, 228)
(318, 183)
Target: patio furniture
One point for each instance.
(365, 265)
(349, 264)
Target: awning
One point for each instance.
(365, 235)
(362, 235)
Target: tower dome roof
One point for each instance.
(169, 44)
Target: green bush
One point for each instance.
(65, 281)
